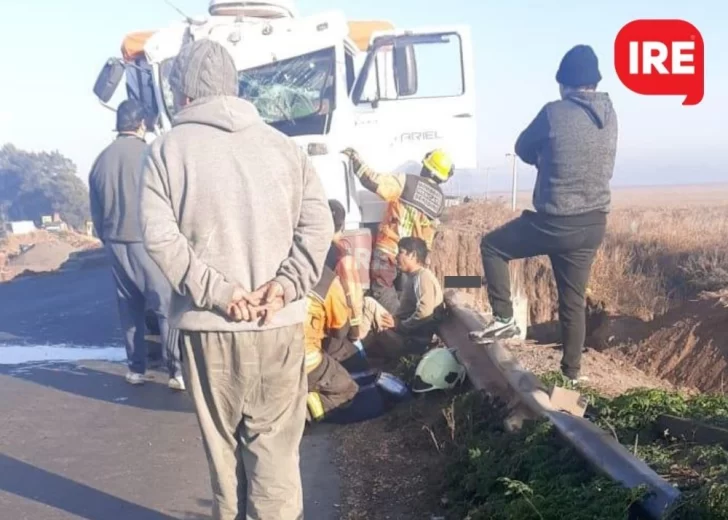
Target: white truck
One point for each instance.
(393, 94)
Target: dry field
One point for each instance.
(687, 196)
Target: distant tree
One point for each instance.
(33, 184)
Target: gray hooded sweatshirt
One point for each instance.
(573, 144)
(227, 200)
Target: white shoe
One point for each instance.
(580, 379)
(134, 378)
(497, 329)
(176, 383)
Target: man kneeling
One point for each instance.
(333, 393)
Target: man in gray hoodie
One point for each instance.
(236, 217)
(572, 142)
(114, 198)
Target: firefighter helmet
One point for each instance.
(439, 164)
(438, 370)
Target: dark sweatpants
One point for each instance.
(346, 399)
(140, 285)
(333, 383)
(571, 244)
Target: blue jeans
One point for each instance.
(140, 285)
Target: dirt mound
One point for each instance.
(609, 375)
(45, 256)
(687, 346)
(40, 252)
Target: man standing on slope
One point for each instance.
(114, 196)
(572, 142)
(240, 273)
(414, 205)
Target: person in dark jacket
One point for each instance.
(114, 184)
(572, 142)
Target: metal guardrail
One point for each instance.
(494, 369)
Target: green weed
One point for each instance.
(533, 475)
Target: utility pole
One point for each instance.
(513, 180)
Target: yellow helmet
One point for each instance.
(439, 164)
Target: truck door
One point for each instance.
(415, 93)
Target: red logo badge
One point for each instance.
(661, 57)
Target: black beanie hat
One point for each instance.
(579, 67)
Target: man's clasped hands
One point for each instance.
(261, 304)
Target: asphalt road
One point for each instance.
(77, 442)
(75, 307)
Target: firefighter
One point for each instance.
(340, 259)
(330, 385)
(414, 205)
(341, 386)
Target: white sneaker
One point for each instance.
(176, 383)
(497, 329)
(134, 378)
(580, 379)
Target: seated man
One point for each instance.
(333, 392)
(420, 306)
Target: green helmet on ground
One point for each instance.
(438, 370)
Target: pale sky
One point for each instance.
(52, 52)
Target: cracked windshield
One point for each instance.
(286, 90)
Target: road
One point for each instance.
(77, 442)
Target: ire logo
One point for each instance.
(661, 57)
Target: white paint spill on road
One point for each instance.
(22, 354)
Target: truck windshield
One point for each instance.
(295, 95)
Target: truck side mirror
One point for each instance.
(405, 69)
(109, 78)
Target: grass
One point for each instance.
(532, 474)
(650, 259)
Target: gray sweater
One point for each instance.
(421, 295)
(228, 200)
(573, 143)
(114, 190)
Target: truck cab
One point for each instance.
(328, 83)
